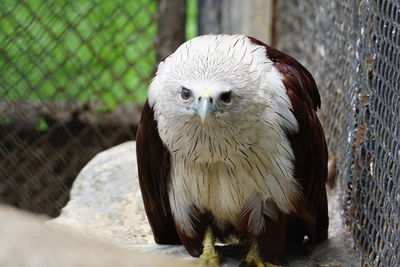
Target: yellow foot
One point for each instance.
(253, 258)
(210, 256)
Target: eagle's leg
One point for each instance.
(210, 256)
(268, 247)
(254, 258)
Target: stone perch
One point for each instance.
(26, 241)
(106, 203)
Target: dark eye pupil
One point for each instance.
(226, 97)
(185, 93)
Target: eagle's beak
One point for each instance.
(205, 107)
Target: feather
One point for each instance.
(256, 168)
(153, 168)
(308, 144)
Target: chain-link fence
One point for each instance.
(352, 47)
(69, 72)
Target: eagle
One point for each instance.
(229, 147)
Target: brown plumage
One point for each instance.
(310, 150)
(310, 217)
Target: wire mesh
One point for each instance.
(69, 71)
(353, 49)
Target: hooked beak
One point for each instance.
(205, 107)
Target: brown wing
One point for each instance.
(309, 146)
(153, 166)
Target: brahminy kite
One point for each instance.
(230, 145)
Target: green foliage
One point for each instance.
(42, 125)
(191, 19)
(5, 120)
(77, 49)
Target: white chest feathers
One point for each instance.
(228, 180)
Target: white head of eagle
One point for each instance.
(226, 138)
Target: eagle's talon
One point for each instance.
(253, 259)
(267, 264)
(260, 263)
(209, 257)
(213, 261)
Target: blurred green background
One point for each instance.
(85, 50)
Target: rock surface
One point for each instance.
(106, 203)
(26, 241)
(105, 199)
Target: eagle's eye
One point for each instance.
(185, 93)
(226, 97)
